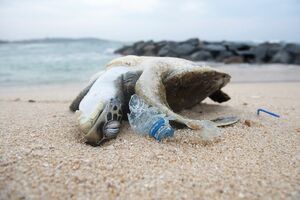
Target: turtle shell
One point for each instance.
(185, 89)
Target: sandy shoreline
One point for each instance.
(43, 154)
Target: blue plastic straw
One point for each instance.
(268, 112)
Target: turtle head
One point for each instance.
(107, 125)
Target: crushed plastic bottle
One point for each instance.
(148, 120)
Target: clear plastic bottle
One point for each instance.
(148, 120)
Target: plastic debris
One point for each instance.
(148, 120)
(268, 112)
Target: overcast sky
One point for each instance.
(131, 20)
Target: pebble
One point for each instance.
(248, 123)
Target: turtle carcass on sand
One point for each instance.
(169, 84)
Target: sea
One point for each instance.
(53, 61)
(68, 61)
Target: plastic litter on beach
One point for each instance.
(145, 119)
(268, 112)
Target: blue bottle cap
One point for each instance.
(156, 126)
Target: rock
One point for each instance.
(183, 49)
(273, 48)
(225, 51)
(248, 123)
(248, 55)
(139, 47)
(161, 43)
(223, 55)
(166, 50)
(237, 46)
(149, 50)
(264, 52)
(31, 101)
(214, 47)
(281, 57)
(193, 41)
(126, 50)
(296, 59)
(233, 59)
(293, 48)
(201, 56)
(260, 53)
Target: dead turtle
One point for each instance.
(169, 84)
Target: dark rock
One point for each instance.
(139, 47)
(167, 50)
(233, 59)
(293, 48)
(273, 48)
(201, 56)
(161, 44)
(214, 47)
(225, 51)
(248, 55)
(164, 51)
(184, 49)
(31, 101)
(260, 53)
(193, 41)
(223, 55)
(237, 46)
(127, 51)
(149, 50)
(245, 53)
(296, 60)
(281, 57)
(264, 52)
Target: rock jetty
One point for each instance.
(224, 51)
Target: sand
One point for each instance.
(43, 155)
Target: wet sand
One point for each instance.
(43, 155)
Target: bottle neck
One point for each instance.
(156, 126)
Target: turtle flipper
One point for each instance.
(225, 121)
(219, 96)
(75, 103)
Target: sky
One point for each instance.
(132, 20)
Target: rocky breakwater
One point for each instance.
(225, 51)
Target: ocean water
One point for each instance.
(45, 62)
(59, 61)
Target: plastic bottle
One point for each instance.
(148, 120)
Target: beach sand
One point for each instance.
(43, 155)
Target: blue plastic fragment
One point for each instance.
(268, 112)
(156, 126)
(163, 133)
